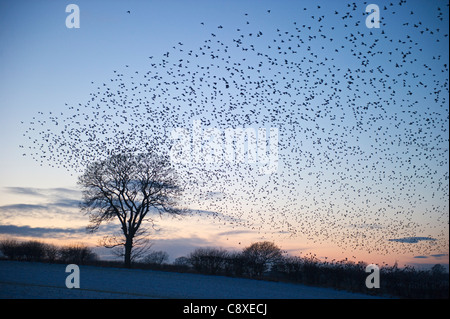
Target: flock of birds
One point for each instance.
(362, 116)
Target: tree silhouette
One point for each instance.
(260, 256)
(129, 187)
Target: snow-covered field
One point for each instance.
(40, 280)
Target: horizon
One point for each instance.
(105, 254)
(360, 114)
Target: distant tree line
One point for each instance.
(254, 261)
(262, 260)
(37, 251)
(266, 261)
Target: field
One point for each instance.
(42, 280)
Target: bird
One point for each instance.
(361, 116)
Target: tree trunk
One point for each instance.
(128, 247)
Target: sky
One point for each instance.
(360, 115)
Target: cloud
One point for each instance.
(66, 203)
(28, 231)
(63, 203)
(439, 255)
(411, 240)
(434, 255)
(196, 212)
(47, 203)
(65, 190)
(21, 207)
(23, 191)
(42, 192)
(64, 209)
(235, 232)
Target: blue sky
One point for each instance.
(362, 115)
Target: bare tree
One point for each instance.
(76, 254)
(208, 260)
(261, 256)
(129, 188)
(156, 258)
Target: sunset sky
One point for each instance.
(362, 116)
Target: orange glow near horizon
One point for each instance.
(179, 236)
